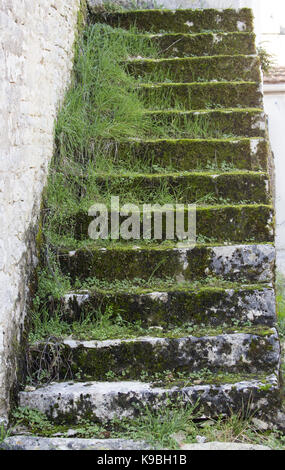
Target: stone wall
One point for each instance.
(36, 54)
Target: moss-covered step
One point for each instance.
(246, 263)
(218, 223)
(212, 123)
(252, 352)
(197, 154)
(205, 305)
(69, 402)
(179, 21)
(233, 187)
(193, 69)
(199, 44)
(201, 95)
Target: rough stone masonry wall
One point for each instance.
(36, 52)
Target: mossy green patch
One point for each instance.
(128, 261)
(175, 350)
(192, 69)
(201, 95)
(193, 154)
(219, 223)
(185, 21)
(199, 44)
(156, 427)
(166, 305)
(221, 123)
(196, 188)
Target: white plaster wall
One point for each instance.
(36, 51)
(274, 102)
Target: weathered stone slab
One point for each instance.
(53, 443)
(223, 446)
(221, 223)
(193, 69)
(253, 263)
(200, 44)
(181, 21)
(246, 353)
(68, 402)
(193, 186)
(191, 154)
(211, 306)
(197, 95)
(239, 122)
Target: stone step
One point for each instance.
(179, 21)
(207, 305)
(200, 188)
(193, 154)
(195, 69)
(246, 263)
(200, 44)
(201, 95)
(68, 402)
(255, 351)
(59, 443)
(218, 223)
(212, 123)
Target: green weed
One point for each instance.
(157, 427)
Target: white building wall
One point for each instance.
(275, 108)
(36, 52)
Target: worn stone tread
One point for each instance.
(249, 263)
(224, 222)
(253, 351)
(199, 95)
(181, 21)
(67, 402)
(193, 154)
(59, 443)
(208, 305)
(193, 187)
(199, 44)
(192, 69)
(237, 122)
(229, 446)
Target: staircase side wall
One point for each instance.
(36, 52)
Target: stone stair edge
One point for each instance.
(74, 343)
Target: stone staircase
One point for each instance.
(210, 60)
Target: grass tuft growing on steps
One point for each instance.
(165, 430)
(101, 101)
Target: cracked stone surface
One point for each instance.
(53, 443)
(237, 352)
(106, 400)
(223, 446)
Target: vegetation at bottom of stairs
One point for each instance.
(167, 428)
(4, 432)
